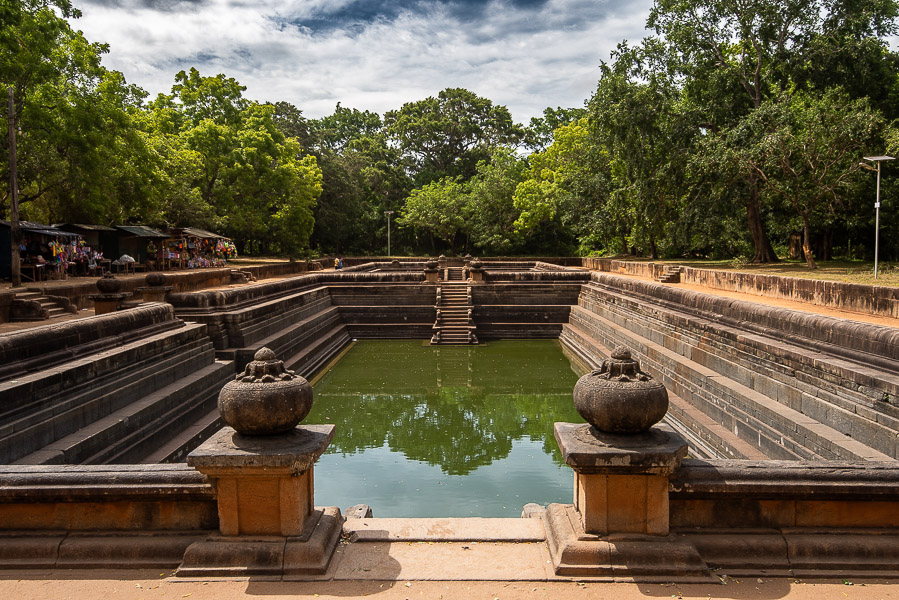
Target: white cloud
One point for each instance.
(522, 58)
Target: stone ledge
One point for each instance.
(267, 556)
(444, 530)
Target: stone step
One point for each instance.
(829, 389)
(120, 434)
(725, 399)
(64, 413)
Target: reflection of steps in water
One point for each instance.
(454, 366)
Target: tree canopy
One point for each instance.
(733, 129)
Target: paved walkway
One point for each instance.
(153, 585)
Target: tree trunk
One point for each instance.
(807, 244)
(764, 253)
(653, 249)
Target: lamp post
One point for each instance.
(388, 213)
(878, 160)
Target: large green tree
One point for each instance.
(490, 204)
(806, 150)
(79, 156)
(447, 135)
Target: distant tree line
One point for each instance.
(736, 130)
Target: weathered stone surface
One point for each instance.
(619, 398)
(576, 552)
(294, 452)
(124, 498)
(266, 399)
(588, 450)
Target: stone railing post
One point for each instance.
(156, 289)
(476, 271)
(432, 273)
(262, 468)
(109, 299)
(618, 524)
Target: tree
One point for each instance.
(438, 208)
(564, 191)
(230, 157)
(806, 149)
(637, 115)
(734, 55)
(363, 176)
(491, 207)
(539, 134)
(448, 135)
(79, 156)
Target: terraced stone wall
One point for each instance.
(751, 381)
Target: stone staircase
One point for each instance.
(454, 274)
(28, 305)
(454, 324)
(671, 274)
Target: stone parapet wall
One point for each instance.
(839, 336)
(789, 395)
(112, 498)
(230, 298)
(871, 299)
(41, 347)
(554, 275)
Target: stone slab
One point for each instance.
(295, 451)
(446, 561)
(588, 450)
(444, 530)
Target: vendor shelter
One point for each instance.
(89, 233)
(131, 240)
(195, 248)
(45, 251)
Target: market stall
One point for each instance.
(45, 252)
(132, 247)
(197, 248)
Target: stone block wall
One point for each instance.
(871, 299)
(789, 385)
(116, 388)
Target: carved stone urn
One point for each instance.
(619, 398)
(266, 399)
(155, 278)
(108, 284)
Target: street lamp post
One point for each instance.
(878, 160)
(388, 213)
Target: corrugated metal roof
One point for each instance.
(201, 233)
(86, 226)
(41, 229)
(141, 231)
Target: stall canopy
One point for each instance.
(129, 239)
(38, 228)
(199, 233)
(29, 229)
(90, 233)
(141, 231)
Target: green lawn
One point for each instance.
(849, 271)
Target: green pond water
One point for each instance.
(426, 431)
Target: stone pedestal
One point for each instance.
(267, 519)
(477, 274)
(618, 524)
(155, 293)
(107, 303)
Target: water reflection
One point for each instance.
(436, 416)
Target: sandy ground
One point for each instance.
(153, 585)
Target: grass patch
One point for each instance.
(847, 271)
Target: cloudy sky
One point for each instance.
(370, 54)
